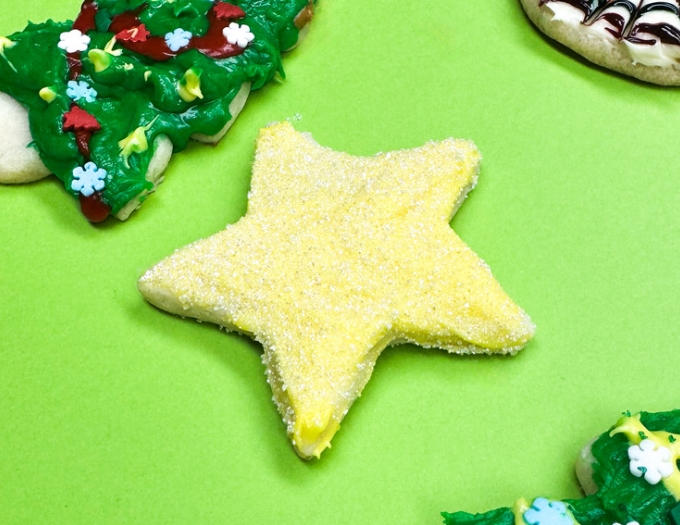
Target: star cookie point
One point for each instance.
(337, 258)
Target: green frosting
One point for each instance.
(621, 494)
(502, 516)
(134, 91)
(621, 497)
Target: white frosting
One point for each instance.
(658, 54)
(563, 12)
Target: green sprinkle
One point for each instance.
(671, 438)
(642, 435)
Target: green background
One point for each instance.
(114, 412)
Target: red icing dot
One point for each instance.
(94, 208)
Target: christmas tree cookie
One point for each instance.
(110, 96)
(337, 258)
(629, 474)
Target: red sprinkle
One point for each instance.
(77, 119)
(135, 34)
(228, 11)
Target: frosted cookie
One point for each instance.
(103, 102)
(629, 474)
(337, 258)
(640, 38)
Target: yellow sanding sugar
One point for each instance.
(338, 257)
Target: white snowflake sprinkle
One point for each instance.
(651, 461)
(239, 35)
(73, 41)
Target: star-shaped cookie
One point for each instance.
(337, 258)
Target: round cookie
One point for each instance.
(639, 38)
(102, 102)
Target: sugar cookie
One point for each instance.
(108, 97)
(640, 38)
(629, 474)
(337, 258)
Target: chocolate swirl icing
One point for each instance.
(626, 19)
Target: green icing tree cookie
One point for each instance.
(111, 95)
(629, 474)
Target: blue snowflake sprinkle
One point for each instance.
(178, 39)
(81, 90)
(545, 512)
(88, 179)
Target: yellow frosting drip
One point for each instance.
(100, 59)
(47, 94)
(518, 509)
(634, 430)
(338, 257)
(190, 85)
(108, 48)
(135, 142)
(6, 43)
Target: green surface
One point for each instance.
(113, 412)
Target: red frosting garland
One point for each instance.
(213, 44)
